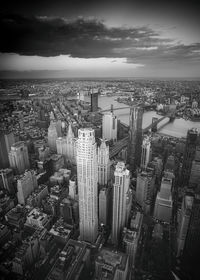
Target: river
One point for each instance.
(177, 128)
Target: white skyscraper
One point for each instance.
(120, 191)
(146, 152)
(52, 136)
(103, 164)
(25, 186)
(109, 126)
(18, 157)
(87, 184)
(66, 146)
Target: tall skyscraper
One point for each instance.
(183, 222)
(120, 191)
(52, 136)
(94, 101)
(6, 141)
(195, 170)
(25, 186)
(135, 137)
(6, 180)
(18, 157)
(109, 127)
(66, 146)
(87, 184)
(145, 190)
(104, 200)
(163, 204)
(146, 153)
(192, 243)
(191, 143)
(103, 164)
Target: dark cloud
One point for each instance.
(89, 38)
(46, 36)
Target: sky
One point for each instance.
(121, 38)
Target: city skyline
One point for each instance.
(100, 39)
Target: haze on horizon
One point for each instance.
(99, 39)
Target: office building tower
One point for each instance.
(94, 101)
(130, 244)
(120, 191)
(59, 128)
(72, 262)
(163, 204)
(103, 164)
(43, 153)
(6, 141)
(111, 264)
(69, 211)
(145, 188)
(183, 222)
(135, 137)
(26, 184)
(7, 180)
(18, 157)
(192, 243)
(189, 154)
(146, 152)
(104, 205)
(109, 127)
(66, 146)
(52, 136)
(87, 184)
(72, 189)
(195, 170)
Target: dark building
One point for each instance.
(94, 101)
(135, 137)
(6, 141)
(189, 155)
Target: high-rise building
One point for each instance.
(6, 180)
(183, 222)
(120, 191)
(104, 205)
(135, 137)
(109, 127)
(130, 243)
(110, 264)
(195, 170)
(59, 128)
(52, 136)
(103, 164)
(146, 153)
(87, 184)
(145, 190)
(18, 157)
(66, 146)
(94, 101)
(163, 204)
(25, 186)
(6, 141)
(192, 243)
(189, 154)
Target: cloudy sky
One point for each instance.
(125, 38)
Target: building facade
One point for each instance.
(109, 127)
(135, 137)
(120, 191)
(18, 157)
(87, 184)
(103, 164)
